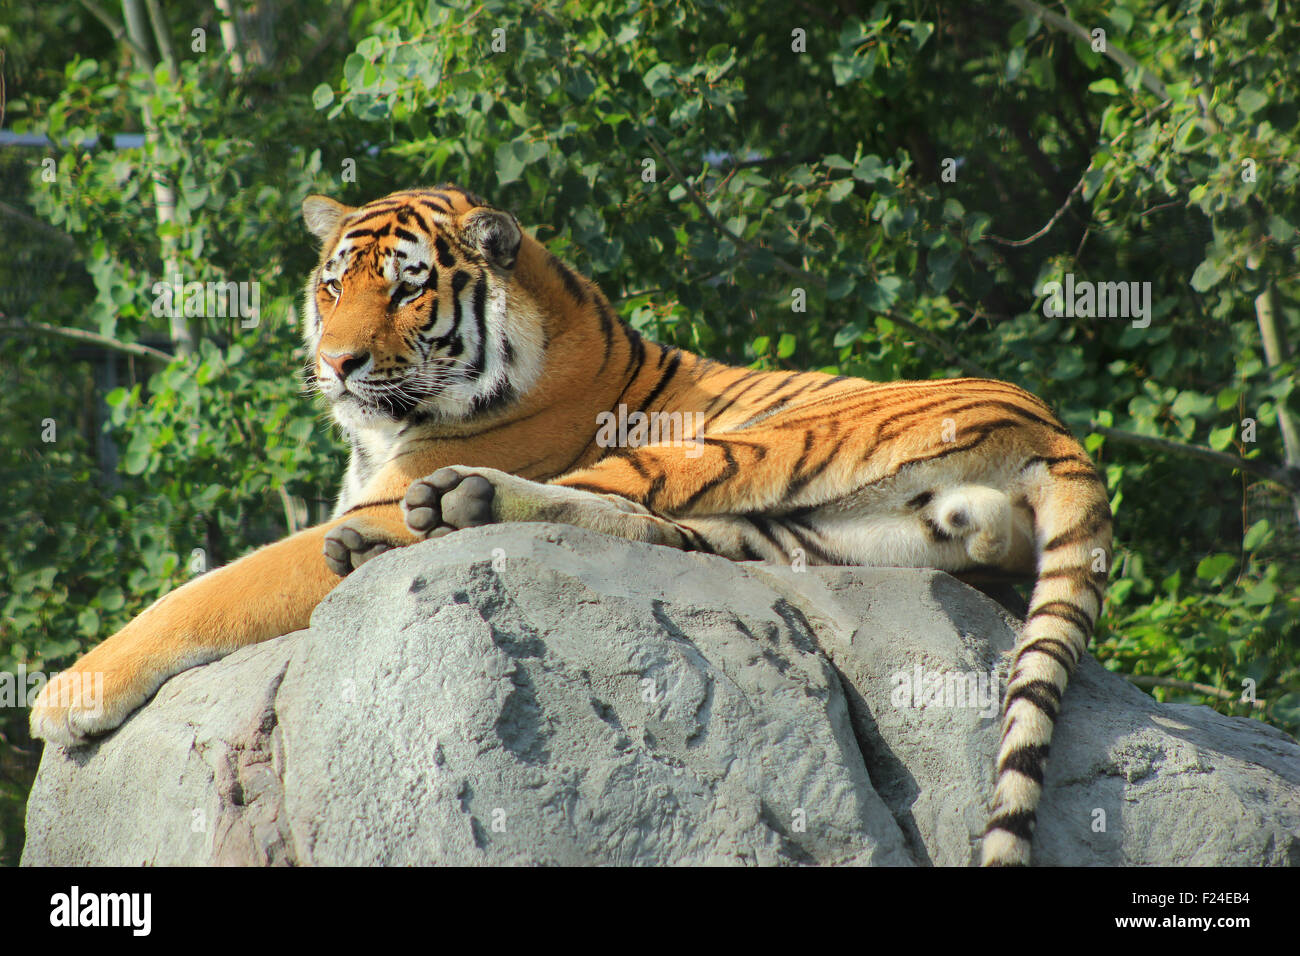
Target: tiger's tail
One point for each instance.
(1073, 532)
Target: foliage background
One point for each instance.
(775, 170)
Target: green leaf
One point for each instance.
(88, 622)
(1221, 438)
(1215, 566)
(1251, 100)
(83, 71)
(840, 189)
(580, 85)
(1106, 87)
(1258, 534)
(659, 80)
(1280, 229)
(322, 96)
(921, 31)
(847, 335)
(353, 68)
(1206, 276)
(785, 345)
(509, 162)
(1261, 594)
(840, 285)
(111, 598)
(136, 458)
(1015, 63)
(883, 293)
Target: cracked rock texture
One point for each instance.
(538, 694)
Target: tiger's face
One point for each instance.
(411, 313)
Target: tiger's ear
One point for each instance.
(494, 233)
(322, 215)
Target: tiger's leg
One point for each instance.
(262, 595)
(459, 497)
(961, 528)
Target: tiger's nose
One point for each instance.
(344, 363)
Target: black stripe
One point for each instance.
(802, 479)
(1049, 462)
(406, 234)
(606, 328)
(1079, 476)
(1019, 823)
(1077, 575)
(698, 541)
(1026, 760)
(728, 472)
(807, 542)
(652, 493)
(1066, 660)
(831, 381)
(983, 429)
(502, 394)
(1096, 518)
(921, 500)
(760, 524)
(937, 534)
(731, 401)
(1065, 612)
(572, 284)
(635, 357)
(477, 366)
(445, 258)
(1040, 693)
(663, 379)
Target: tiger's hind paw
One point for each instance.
(981, 517)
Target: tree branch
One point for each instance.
(162, 36)
(1276, 352)
(118, 31)
(972, 368)
(1066, 25)
(1150, 680)
(1286, 476)
(33, 222)
(81, 335)
(1050, 223)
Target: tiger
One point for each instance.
(473, 375)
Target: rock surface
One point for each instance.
(538, 694)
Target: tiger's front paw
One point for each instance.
(448, 500)
(355, 542)
(83, 702)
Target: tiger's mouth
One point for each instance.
(392, 400)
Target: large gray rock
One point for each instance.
(540, 694)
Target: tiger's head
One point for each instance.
(413, 312)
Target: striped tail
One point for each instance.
(1074, 537)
